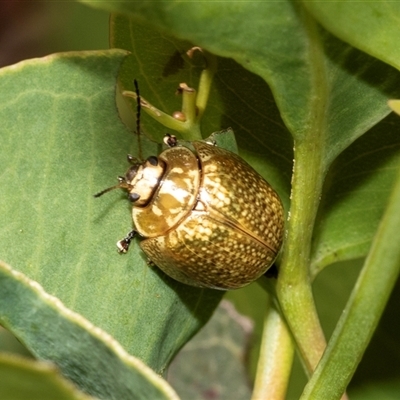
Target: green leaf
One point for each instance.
(62, 141)
(370, 26)
(85, 354)
(23, 379)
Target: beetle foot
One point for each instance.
(123, 244)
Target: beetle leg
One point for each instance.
(123, 244)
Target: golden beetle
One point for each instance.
(208, 218)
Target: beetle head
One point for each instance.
(141, 180)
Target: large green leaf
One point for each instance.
(85, 354)
(62, 141)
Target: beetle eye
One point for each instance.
(153, 160)
(133, 197)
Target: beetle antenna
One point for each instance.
(121, 185)
(106, 190)
(138, 110)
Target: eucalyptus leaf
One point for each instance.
(85, 354)
(63, 141)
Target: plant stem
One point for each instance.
(276, 358)
(294, 286)
(206, 78)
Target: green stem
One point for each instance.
(294, 285)
(206, 79)
(189, 130)
(276, 358)
(189, 97)
(189, 110)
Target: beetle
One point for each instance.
(208, 219)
